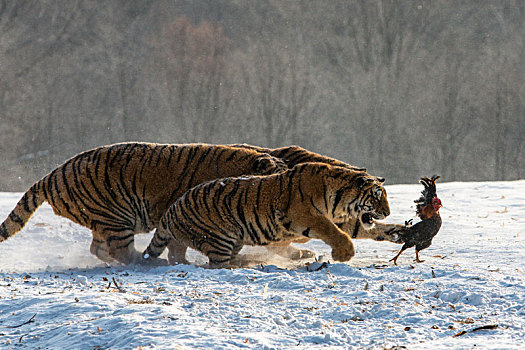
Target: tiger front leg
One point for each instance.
(321, 228)
(379, 232)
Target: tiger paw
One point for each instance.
(397, 238)
(397, 235)
(146, 260)
(343, 253)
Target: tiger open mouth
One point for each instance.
(369, 218)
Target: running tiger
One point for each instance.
(293, 155)
(123, 189)
(219, 217)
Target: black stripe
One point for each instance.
(338, 196)
(243, 221)
(291, 174)
(177, 192)
(44, 191)
(213, 155)
(260, 227)
(111, 225)
(94, 185)
(108, 187)
(215, 261)
(51, 198)
(294, 157)
(3, 231)
(258, 192)
(325, 192)
(211, 236)
(78, 188)
(299, 186)
(24, 201)
(36, 190)
(217, 198)
(206, 196)
(159, 154)
(356, 229)
(306, 232)
(97, 155)
(313, 205)
(196, 214)
(66, 205)
(119, 238)
(170, 157)
(197, 167)
(132, 240)
(273, 224)
(15, 218)
(232, 155)
(180, 150)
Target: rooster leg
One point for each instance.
(394, 259)
(417, 258)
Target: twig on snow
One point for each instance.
(487, 327)
(120, 289)
(32, 319)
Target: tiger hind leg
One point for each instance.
(121, 246)
(225, 259)
(379, 232)
(99, 248)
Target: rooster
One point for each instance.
(421, 234)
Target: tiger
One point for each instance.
(122, 189)
(294, 155)
(219, 217)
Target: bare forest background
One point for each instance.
(404, 88)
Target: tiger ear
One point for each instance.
(261, 164)
(380, 179)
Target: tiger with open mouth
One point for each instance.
(306, 202)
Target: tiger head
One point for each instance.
(359, 196)
(266, 164)
(372, 203)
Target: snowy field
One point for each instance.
(469, 292)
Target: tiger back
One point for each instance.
(294, 155)
(123, 189)
(219, 217)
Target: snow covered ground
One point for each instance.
(54, 294)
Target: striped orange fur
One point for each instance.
(307, 201)
(123, 189)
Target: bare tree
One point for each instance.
(507, 124)
(279, 90)
(194, 62)
(404, 88)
